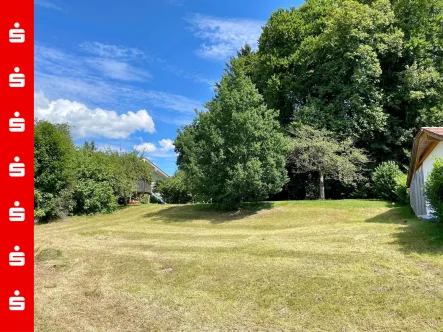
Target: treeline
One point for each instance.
(71, 180)
(335, 89)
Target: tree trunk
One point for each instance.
(322, 185)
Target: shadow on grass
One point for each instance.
(191, 212)
(415, 235)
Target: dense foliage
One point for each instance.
(93, 190)
(370, 70)
(389, 182)
(53, 172)
(401, 189)
(235, 151)
(175, 190)
(434, 189)
(366, 70)
(80, 180)
(128, 170)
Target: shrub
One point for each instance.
(388, 178)
(434, 189)
(48, 207)
(144, 199)
(53, 173)
(44, 209)
(175, 190)
(92, 197)
(401, 189)
(311, 191)
(153, 200)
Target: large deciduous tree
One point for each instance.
(53, 173)
(371, 70)
(235, 150)
(318, 151)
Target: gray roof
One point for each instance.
(155, 168)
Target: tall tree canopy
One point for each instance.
(235, 150)
(53, 172)
(370, 70)
(53, 155)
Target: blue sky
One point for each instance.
(127, 74)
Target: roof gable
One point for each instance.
(155, 168)
(424, 142)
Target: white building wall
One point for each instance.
(416, 195)
(427, 166)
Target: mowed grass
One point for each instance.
(288, 266)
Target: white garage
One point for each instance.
(428, 144)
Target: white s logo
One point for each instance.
(17, 80)
(16, 35)
(16, 125)
(17, 213)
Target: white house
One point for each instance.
(428, 144)
(157, 175)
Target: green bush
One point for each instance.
(94, 190)
(48, 207)
(175, 190)
(401, 189)
(390, 182)
(434, 189)
(144, 199)
(91, 196)
(153, 200)
(44, 207)
(53, 172)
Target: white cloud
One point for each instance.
(223, 37)
(119, 70)
(111, 51)
(46, 4)
(108, 52)
(176, 120)
(87, 122)
(50, 60)
(166, 144)
(164, 149)
(63, 75)
(146, 147)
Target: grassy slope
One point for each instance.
(298, 266)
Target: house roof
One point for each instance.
(155, 167)
(424, 142)
(433, 131)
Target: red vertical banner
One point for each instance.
(17, 166)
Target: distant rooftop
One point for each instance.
(156, 168)
(424, 142)
(437, 131)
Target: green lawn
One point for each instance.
(288, 266)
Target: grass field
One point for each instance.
(288, 266)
